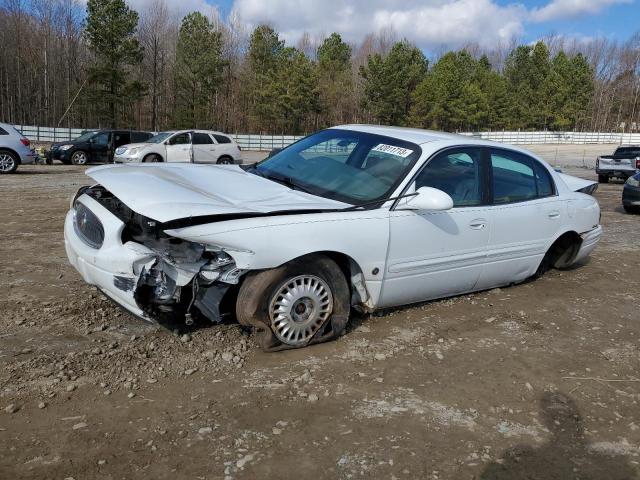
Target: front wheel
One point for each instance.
(152, 158)
(79, 158)
(8, 162)
(631, 209)
(303, 302)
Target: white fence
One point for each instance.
(269, 142)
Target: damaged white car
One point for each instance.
(362, 217)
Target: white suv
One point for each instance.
(14, 149)
(195, 146)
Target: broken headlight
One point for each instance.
(221, 266)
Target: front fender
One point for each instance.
(268, 242)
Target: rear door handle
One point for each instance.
(553, 215)
(478, 224)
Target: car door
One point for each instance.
(436, 254)
(179, 148)
(204, 148)
(526, 215)
(100, 147)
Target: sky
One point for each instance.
(432, 24)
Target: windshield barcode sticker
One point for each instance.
(390, 149)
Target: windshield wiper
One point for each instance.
(377, 202)
(286, 181)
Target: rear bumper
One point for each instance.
(589, 241)
(28, 158)
(617, 172)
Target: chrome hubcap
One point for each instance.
(300, 308)
(79, 158)
(6, 162)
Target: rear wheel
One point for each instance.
(225, 160)
(79, 158)
(631, 209)
(603, 178)
(561, 254)
(303, 302)
(8, 162)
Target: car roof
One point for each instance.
(414, 135)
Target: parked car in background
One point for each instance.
(94, 146)
(14, 149)
(624, 162)
(358, 216)
(631, 194)
(185, 146)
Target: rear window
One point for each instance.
(139, 136)
(627, 151)
(222, 139)
(201, 139)
(3, 131)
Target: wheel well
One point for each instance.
(224, 156)
(151, 154)
(563, 251)
(15, 154)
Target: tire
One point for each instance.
(631, 209)
(225, 160)
(603, 178)
(79, 157)
(9, 162)
(152, 158)
(318, 312)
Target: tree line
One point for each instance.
(104, 64)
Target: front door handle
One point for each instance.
(554, 214)
(478, 224)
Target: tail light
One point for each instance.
(638, 163)
(25, 142)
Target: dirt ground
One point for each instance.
(536, 381)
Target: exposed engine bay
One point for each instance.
(182, 281)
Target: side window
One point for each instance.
(456, 172)
(202, 139)
(101, 140)
(180, 139)
(513, 177)
(121, 138)
(544, 182)
(222, 139)
(3, 131)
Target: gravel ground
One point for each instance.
(536, 381)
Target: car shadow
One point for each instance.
(566, 455)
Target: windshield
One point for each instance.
(344, 165)
(159, 138)
(85, 137)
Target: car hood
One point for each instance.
(136, 145)
(172, 191)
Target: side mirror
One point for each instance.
(430, 199)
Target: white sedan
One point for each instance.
(355, 216)
(183, 146)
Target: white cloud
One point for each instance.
(428, 23)
(177, 7)
(559, 9)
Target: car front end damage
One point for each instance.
(133, 261)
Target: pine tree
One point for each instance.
(335, 80)
(389, 82)
(110, 31)
(199, 68)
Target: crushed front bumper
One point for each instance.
(115, 268)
